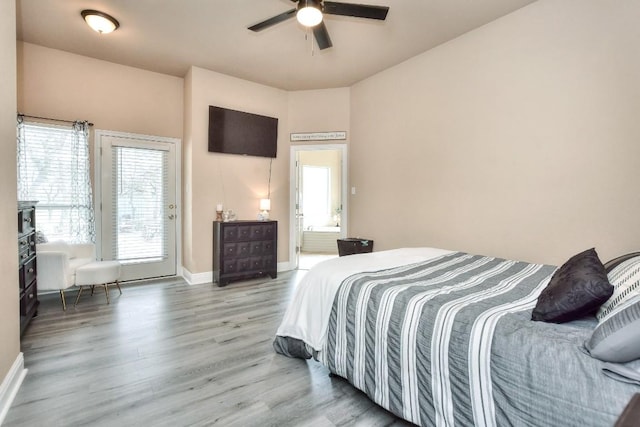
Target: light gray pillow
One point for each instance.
(617, 337)
(625, 278)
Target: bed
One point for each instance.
(445, 338)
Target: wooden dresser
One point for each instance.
(27, 274)
(244, 249)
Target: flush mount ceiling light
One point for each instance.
(309, 13)
(100, 21)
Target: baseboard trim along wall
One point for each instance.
(207, 276)
(197, 278)
(10, 385)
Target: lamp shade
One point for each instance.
(309, 13)
(265, 204)
(100, 21)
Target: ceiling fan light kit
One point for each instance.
(100, 22)
(309, 13)
(315, 10)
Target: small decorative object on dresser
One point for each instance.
(219, 212)
(27, 262)
(244, 249)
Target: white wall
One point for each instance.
(58, 84)
(9, 310)
(238, 182)
(518, 139)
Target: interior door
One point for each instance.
(299, 214)
(138, 193)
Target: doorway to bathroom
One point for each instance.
(318, 201)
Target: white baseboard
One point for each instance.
(197, 278)
(284, 266)
(207, 276)
(11, 385)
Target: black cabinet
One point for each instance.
(354, 245)
(27, 265)
(244, 249)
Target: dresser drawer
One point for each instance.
(244, 264)
(28, 273)
(269, 262)
(257, 263)
(29, 300)
(23, 246)
(26, 220)
(229, 266)
(257, 232)
(23, 254)
(21, 283)
(240, 249)
(229, 233)
(257, 248)
(26, 247)
(269, 231)
(244, 232)
(244, 249)
(230, 250)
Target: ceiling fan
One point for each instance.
(310, 14)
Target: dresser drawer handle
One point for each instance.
(32, 243)
(23, 243)
(24, 256)
(30, 296)
(28, 219)
(31, 270)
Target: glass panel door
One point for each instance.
(138, 206)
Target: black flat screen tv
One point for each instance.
(237, 132)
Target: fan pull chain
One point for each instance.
(307, 37)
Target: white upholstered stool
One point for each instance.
(98, 273)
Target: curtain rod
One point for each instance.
(49, 118)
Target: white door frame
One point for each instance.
(97, 164)
(292, 192)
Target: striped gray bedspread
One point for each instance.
(450, 342)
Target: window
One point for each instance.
(53, 169)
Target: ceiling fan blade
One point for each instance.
(273, 21)
(357, 10)
(322, 36)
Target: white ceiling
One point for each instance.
(168, 36)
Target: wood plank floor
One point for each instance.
(170, 354)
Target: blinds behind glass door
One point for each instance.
(139, 199)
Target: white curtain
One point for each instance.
(53, 169)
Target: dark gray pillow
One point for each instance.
(576, 289)
(617, 337)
